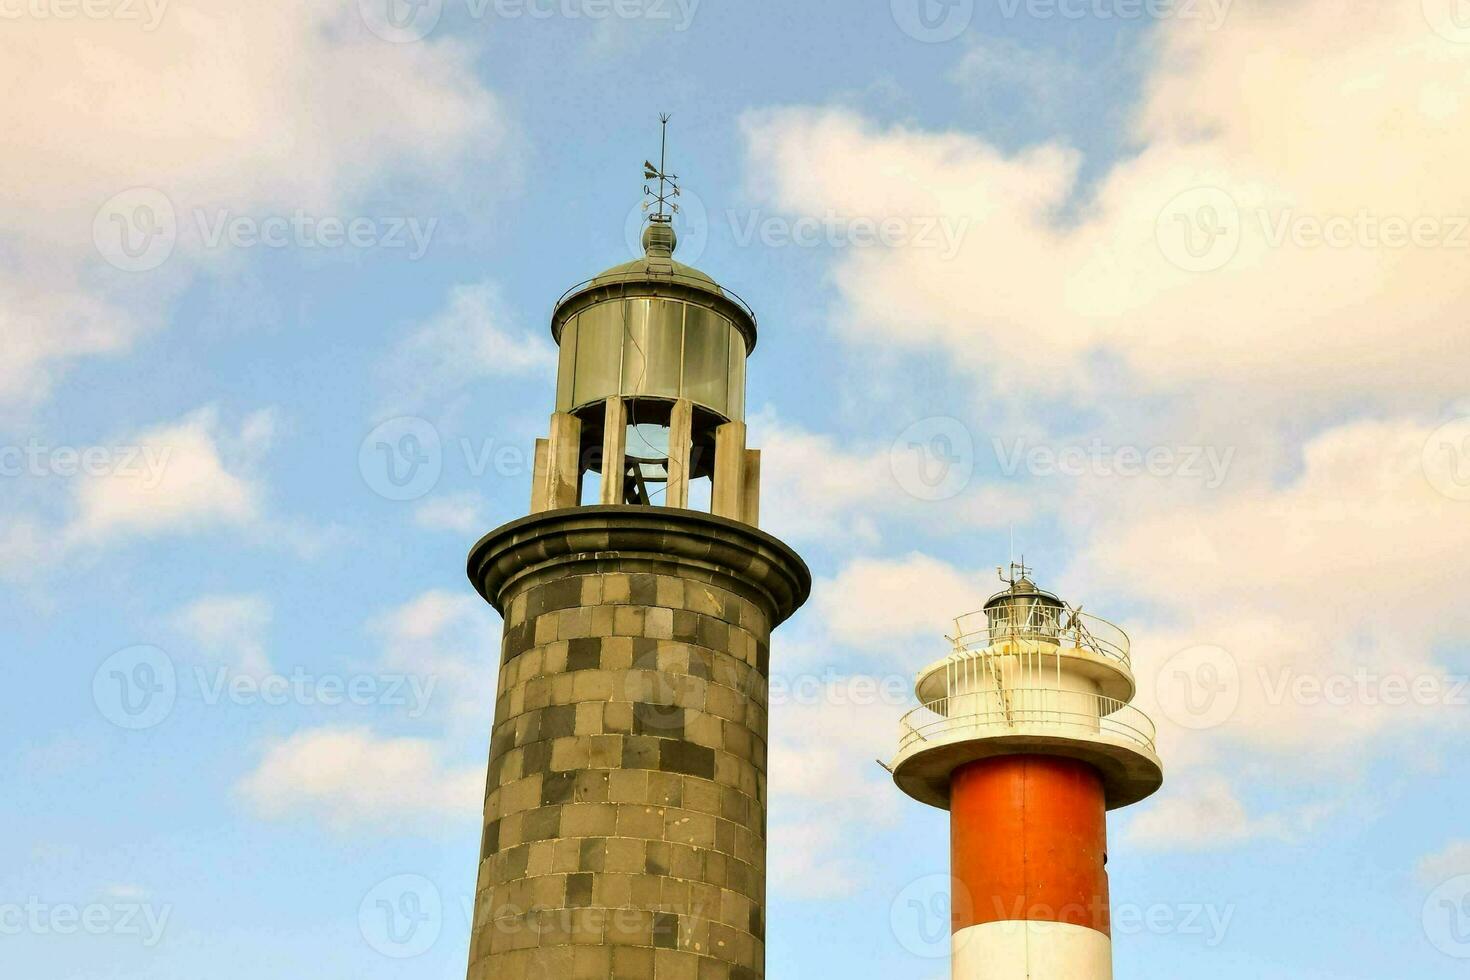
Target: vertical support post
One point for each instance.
(614, 449)
(750, 510)
(564, 462)
(728, 496)
(681, 442)
(540, 482)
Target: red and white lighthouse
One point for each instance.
(1026, 736)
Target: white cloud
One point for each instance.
(874, 603)
(1068, 303)
(1326, 551)
(1321, 593)
(828, 794)
(1205, 813)
(1000, 67)
(1450, 862)
(461, 512)
(1333, 575)
(192, 475)
(258, 109)
(46, 319)
(23, 547)
(473, 338)
(355, 778)
(230, 628)
(1321, 597)
(186, 475)
(815, 488)
(817, 859)
(452, 638)
(351, 779)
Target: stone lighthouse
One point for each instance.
(1025, 734)
(625, 804)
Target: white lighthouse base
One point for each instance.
(1031, 950)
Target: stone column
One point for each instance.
(625, 809)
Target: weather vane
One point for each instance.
(667, 189)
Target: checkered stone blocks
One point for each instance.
(625, 812)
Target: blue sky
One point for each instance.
(1171, 295)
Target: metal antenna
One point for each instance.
(667, 189)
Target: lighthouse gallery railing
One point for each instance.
(993, 713)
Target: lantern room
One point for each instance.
(650, 393)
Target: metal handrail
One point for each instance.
(973, 633)
(641, 275)
(1007, 711)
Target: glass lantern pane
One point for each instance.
(707, 358)
(599, 352)
(635, 345)
(655, 347)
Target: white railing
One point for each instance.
(974, 632)
(1001, 712)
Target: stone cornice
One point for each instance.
(583, 540)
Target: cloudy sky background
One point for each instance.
(1171, 297)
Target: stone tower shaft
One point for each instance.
(625, 806)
